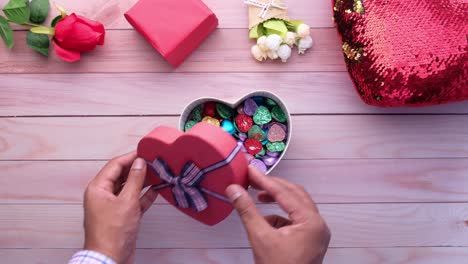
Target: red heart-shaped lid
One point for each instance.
(203, 146)
(405, 53)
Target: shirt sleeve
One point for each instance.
(90, 257)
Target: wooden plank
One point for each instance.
(328, 181)
(57, 94)
(231, 14)
(426, 255)
(314, 137)
(353, 225)
(226, 50)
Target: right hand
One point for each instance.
(301, 239)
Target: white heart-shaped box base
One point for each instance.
(189, 108)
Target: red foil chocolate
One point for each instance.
(405, 53)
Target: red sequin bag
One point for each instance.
(405, 53)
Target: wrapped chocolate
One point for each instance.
(275, 33)
(259, 122)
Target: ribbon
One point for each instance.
(265, 6)
(186, 188)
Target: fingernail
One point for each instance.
(234, 192)
(139, 164)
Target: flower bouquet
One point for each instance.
(275, 33)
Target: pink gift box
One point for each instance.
(173, 27)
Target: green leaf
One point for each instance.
(43, 30)
(292, 25)
(39, 11)
(276, 26)
(6, 32)
(56, 20)
(38, 42)
(17, 11)
(257, 31)
(61, 9)
(253, 34)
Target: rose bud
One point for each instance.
(304, 44)
(273, 42)
(261, 42)
(284, 52)
(290, 39)
(257, 53)
(272, 54)
(75, 34)
(303, 30)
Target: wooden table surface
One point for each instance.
(392, 183)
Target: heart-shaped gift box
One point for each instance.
(405, 53)
(233, 105)
(192, 170)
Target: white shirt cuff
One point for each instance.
(90, 257)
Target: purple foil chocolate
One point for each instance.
(250, 106)
(269, 161)
(273, 154)
(242, 136)
(240, 110)
(259, 165)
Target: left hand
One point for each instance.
(113, 211)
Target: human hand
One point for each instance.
(301, 239)
(112, 209)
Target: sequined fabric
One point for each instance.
(405, 53)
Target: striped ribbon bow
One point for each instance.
(186, 188)
(265, 6)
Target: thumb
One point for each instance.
(253, 221)
(135, 180)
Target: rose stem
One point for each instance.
(26, 24)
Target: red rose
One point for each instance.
(74, 34)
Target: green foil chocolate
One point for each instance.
(189, 125)
(262, 116)
(275, 146)
(235, 126)
(278, 114)
(224, 111)
(270, 102)
(197, 113)
(257, 133)
(261, 154)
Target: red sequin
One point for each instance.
(253, 146)
(244, 123)
(210, 109)
(405, 53)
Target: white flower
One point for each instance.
(305, 44)
(303, 30)
(290, 38)
(272, 55)
(261, 42)
(284, 52)
(257, 53)
(273, 42)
